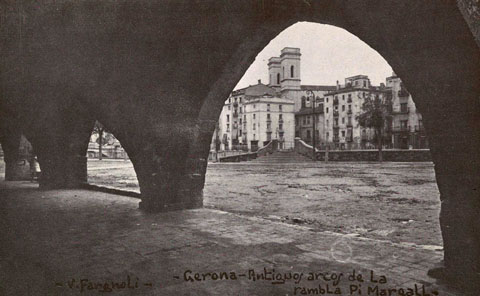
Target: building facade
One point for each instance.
(342, 108)
(285, 109)
(407, 125)
(252, 117)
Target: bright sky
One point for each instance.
(328, 54)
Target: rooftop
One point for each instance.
(319, 87)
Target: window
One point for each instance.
(404, 107)
(268, 116)
(240, 121)
(343, 107)
(254, 116)
(240, 109)
(327, 123)
(328, 135)
(279, 107)
(240, 99)
(254, 106)
(280, 117)
(235, 100)
(278, 78)
(350, 96)
(254, 126)
(228, 117)
(229, 100)
(343, 97)
(364, 83)
(291, 71)
(308, 134)
(304, 120)
(343, 119)
(228, 127)
(303, 102)
(268, 107)
(280, 126)
(343, 133)
(308, 119)
(327, 99)
(350, 120)
(326, 110)
(229, 107)
(349, 107)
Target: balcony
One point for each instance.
(335, 113)
(336, 139)
(402, 111)
(349, 111)
(401, 129)
(280, 120)
(349, 138)
(419, 128)
(403, 93)
(269, 120)
(235, 114)
(349, 100)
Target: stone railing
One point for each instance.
(267, 149)
(304, 149)
(394, 155)
(239, 157)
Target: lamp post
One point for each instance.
(310, 93)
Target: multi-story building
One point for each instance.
(253, 116)
(283, 109)
(407, 127)
(342, 107)
(308, 118)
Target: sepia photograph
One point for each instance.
(247, 148)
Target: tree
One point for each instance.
(375, 115)
(99, 129)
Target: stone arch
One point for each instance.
(431, 72)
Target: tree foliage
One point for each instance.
(376, 115)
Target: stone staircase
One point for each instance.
(282, 157)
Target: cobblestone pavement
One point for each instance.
(397, 202)
(55, 239)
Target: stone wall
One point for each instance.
(397, 155)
